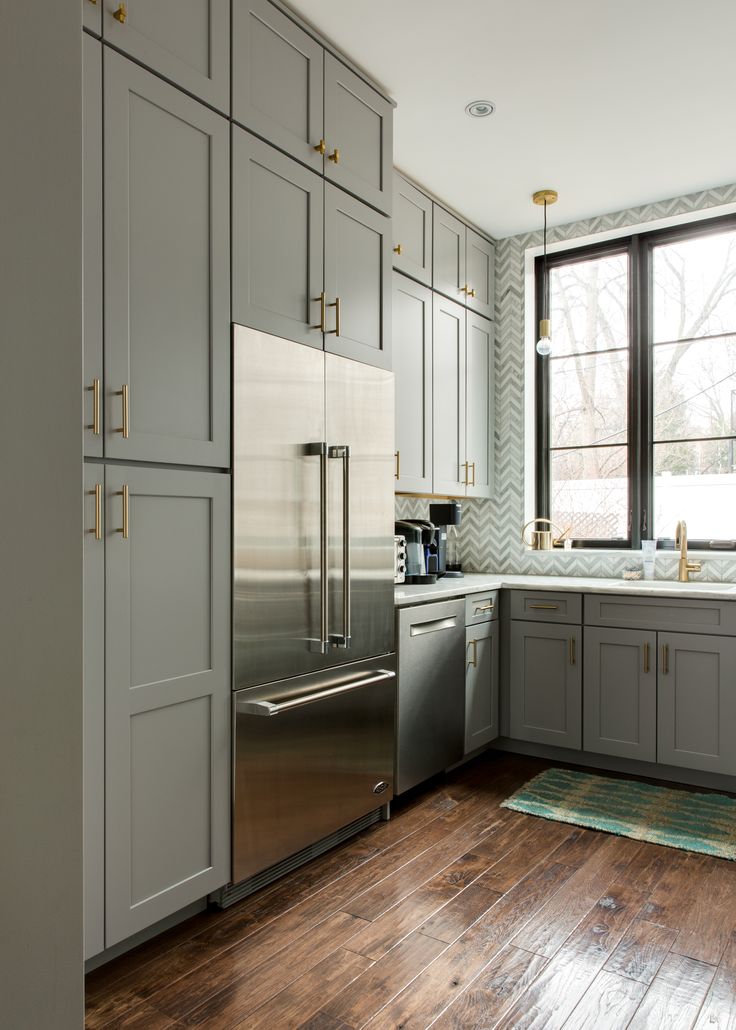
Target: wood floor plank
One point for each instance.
(707, 925)
(380, 936)
(608, 1004)
(457, 967)
(673, 896)
(642, 951)
(674, 998)
(506, 978)
(307, 994)
(143, 1017)
(555, 993)
(454, 918)
(719, 1008)
(541, 838)
(375, 988)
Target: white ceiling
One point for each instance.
(614, 103)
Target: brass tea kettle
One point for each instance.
(542, 539)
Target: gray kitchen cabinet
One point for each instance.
(168, 692)
(479, 405)
(448, 254)
(278, 213)
(358, 131)
(184, 41)
(357, 275)
(412, 237)
(481, 685)
(94, 709)
(480, 257)
(278, 80)
(167, 279)
(696, 695)
(411, 333)
(620, 693)
(449, 470)
(545, 684)
(92, 382)
(92, 16)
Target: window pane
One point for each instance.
(588, 399)
(695, 287)
(696, 482)
(589, 305)
(695, 389)
(589, 491)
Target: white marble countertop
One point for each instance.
(473, 583)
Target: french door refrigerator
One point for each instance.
(313, 621)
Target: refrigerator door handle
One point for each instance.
(322, 645)
(268, 708)
(343, 640)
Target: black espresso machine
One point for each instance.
(427, 548)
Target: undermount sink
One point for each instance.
(675, 585)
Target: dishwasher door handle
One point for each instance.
(277, 707)
(433, 627)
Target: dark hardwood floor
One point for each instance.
(455, 914)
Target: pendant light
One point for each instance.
(544, 343)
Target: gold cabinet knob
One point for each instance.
(93, 2)
(397, 249)
(471, 293)
(120, 13)
(334, 156)
(320, 147)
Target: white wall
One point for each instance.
(40, 517)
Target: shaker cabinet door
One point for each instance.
(480, 257)
(479, 411)
(168, 692)
(545, 684)
(481, 685)
(92, 384)
(449, 468)
(620, 693)
(278, 80)
(412, 241)
(167, 280)
(358, 136)
(696, 702)
(357, 280)
(92, 16)
(184, 41)
(277, 242)
(411, 333)
(448, 255)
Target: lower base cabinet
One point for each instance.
(546, 684)
(165, 538)
(481, 685)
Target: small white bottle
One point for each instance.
(649, 557)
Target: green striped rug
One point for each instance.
(676, 818)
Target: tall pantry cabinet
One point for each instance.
(306, 157)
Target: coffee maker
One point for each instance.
(446, 517)
(421, 553)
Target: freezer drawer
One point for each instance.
(431, 691)
(311, 755)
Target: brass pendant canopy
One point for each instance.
(545, 197)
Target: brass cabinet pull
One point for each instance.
(471, 293)
(466, 466)
(572, 650)
(646, 657)
(95, 423)
(665, 659)
(474, 660)
(125, 394)
(120, 13)
(320, 147)
(398, 249)
(483, 607)
(334, 156)
(397, 473)
(93, 2)
(544, 607)
(472, 482)
(336, 306)
(125, 494)
(97, 494)
(321, 301)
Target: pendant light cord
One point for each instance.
(545, 306)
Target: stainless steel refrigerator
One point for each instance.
(313, 621)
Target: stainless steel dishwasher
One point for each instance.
(431, 690)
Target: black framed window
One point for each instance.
(636, 404)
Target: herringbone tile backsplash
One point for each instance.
(489, 537)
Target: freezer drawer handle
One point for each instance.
(342, 453)
(273, 708)
(433, 627)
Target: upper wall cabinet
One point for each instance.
(479, 374)
(449, 463)
(358, 136)
(92, 246)
(463, 263)
(412, 219)
(411, 333)
(185, 41)
(92, 16)
(278, 80)
(167, 283)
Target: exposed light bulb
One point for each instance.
(544, 343)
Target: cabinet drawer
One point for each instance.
(546, 607)
(662, 613)
(481, 607)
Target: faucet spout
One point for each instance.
(681, 538)
(684, 566)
